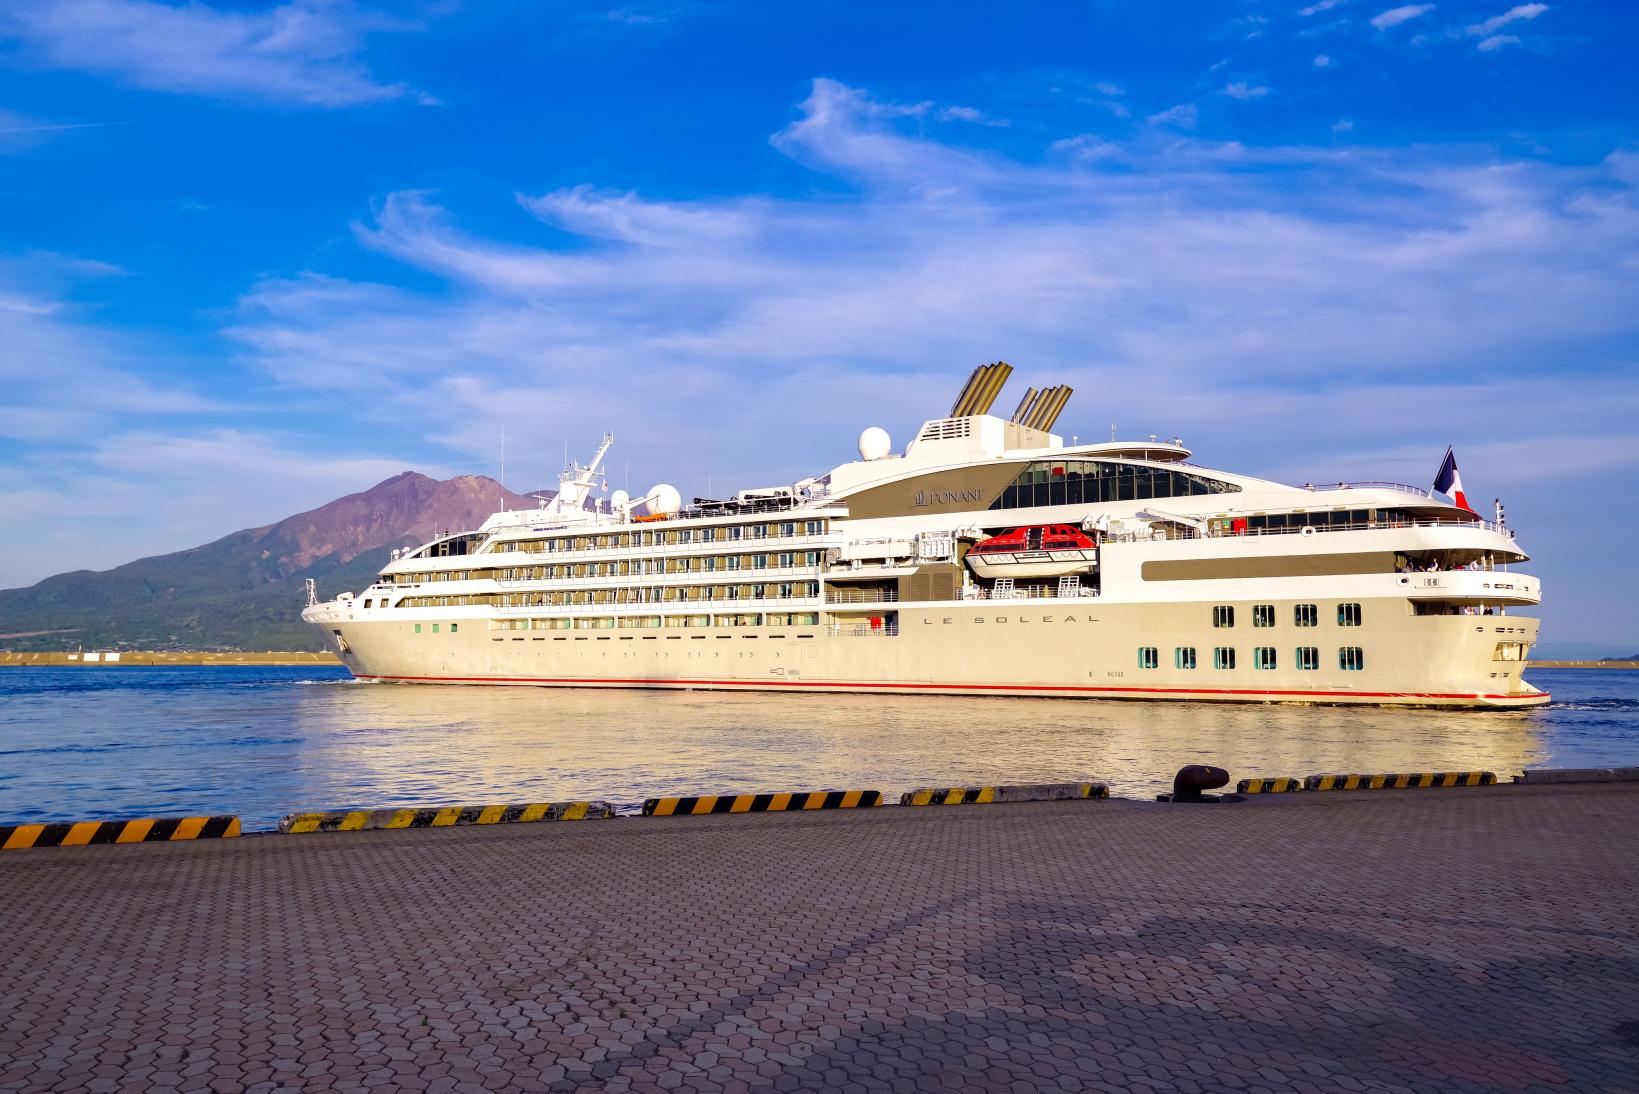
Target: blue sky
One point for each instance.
(254, 257)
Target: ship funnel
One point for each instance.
(980, 391)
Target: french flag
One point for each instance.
(1447, 481)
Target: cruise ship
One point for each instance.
(987, 558)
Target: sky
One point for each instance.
(254, 257)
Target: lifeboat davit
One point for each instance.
(1043, 550)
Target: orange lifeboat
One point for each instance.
(1041, 550)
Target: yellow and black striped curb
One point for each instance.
(1400, 782)
(986, 795)
(360, 820)
(1278, 785)
(14, 837)
(761, 803)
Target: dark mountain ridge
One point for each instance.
(244, 591)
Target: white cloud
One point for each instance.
(1245, 92)
(1343, 125)
(969, 114)
(1323, 61)
(1320, 6)
(1497, 41)
(1513, 14)
(1395, 16)
(303, 52)
(1184, 116)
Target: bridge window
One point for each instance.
(1305, 615)
(1092, 482)
(1223, 657)
(1149, 657)
(1352, 658)
(1308, 657)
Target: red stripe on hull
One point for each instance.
(865, 685)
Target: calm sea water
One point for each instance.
(81, 743)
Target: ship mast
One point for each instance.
(575, 482)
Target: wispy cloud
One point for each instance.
(1497, 41)
(1395, 16)
(1184, 116)
(1320, 6)
(1323, 61)
(1514, 14)
(1243, 91)
(304, 52)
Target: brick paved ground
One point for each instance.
(1458, 940)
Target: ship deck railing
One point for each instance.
(745, 603)
(677, 577)
(694, 547)
(861, 630)
(1318, 529)
(861, 596)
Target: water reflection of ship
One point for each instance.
(387, 745)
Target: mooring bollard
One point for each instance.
(1192, 779)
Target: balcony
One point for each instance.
(1478, 586)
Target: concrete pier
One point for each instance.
(1482, 939)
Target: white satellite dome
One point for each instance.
(619, 500)
(663, 499)
(874, 443)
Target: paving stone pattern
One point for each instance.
(1460, 940)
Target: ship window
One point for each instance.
(1348, 615)
(1082, 482)
(1263, 657)
(813, 528)
(1223, 657)
(1223, 615)
(435, 628)
(1263, 615)
(1308, 657)
(1183, 657)
(454, 627)
(1305, 615)
(788, 528)
(1351, 657)
(1149, 657)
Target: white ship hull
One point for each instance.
(1066, 649)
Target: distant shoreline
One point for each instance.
(114, 659)
(1582, 664)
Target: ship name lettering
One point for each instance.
(947, 497)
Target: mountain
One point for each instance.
(244, 591)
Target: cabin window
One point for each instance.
(814, 528)
(759, 562)
(435, 628)
(788, 528)
(1352, 658)
(1263, 657)
(788, 559)
(1149, 657)
(1308, 657)
(1183, 657)
(1305, 615)
(1348, 615)
(454, 627)
(1223, 657)
(1263, 615)
(1223, 616)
